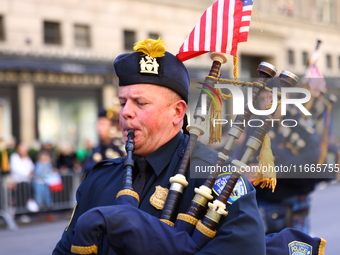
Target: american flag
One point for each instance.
(316, 80)
(222, 26)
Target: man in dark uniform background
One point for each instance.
(110, 143)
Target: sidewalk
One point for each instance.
(34, 238)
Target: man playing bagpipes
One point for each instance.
(153, 93)
(154, 105)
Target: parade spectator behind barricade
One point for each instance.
(49, 147)
(66, 159)
(7, 147)
(21, 172)
(85, 151)
(109, 145)
(34, 149)
(11, 145)
(289, 204)
(43, 173)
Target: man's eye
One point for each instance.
(141, 103)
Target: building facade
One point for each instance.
(56, 56)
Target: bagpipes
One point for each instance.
(191, 231)
(294, 137)
(315, 125)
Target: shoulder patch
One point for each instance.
(299, 248)
(239, 190)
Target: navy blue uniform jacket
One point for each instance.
(240, 232)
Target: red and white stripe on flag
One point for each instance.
(222, 26)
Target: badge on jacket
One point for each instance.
(159, 197)
(297, 247)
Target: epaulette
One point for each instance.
(204, 153)
(108, 162)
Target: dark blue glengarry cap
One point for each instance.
(108, 113)
(151, 64)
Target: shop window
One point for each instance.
(67, 119)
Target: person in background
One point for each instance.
(21, 172)
(42, 193)
(51, 149)
(66, 159)
(34, 149)
(109, 145)
(85, 151)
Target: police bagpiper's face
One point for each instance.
(154, 112)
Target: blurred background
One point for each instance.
(56, 56)
(56, 67)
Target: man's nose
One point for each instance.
(127, 111)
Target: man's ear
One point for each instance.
(180, 108)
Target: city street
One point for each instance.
(39, 238)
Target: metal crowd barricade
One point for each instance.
(65, 199)
(14, 201)
(5, 210)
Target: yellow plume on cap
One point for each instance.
(151, 47)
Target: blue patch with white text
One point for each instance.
(240, 188)
(299, 248)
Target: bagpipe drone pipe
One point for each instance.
(124, 222)
(321, 120)
(303, 132)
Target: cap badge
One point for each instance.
(148, 64)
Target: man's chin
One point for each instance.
(140, 151)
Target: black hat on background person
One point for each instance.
(107, 113)
(152, 64)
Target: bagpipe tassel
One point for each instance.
(266, 175)
(215, 135)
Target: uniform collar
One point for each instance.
(160, 158)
